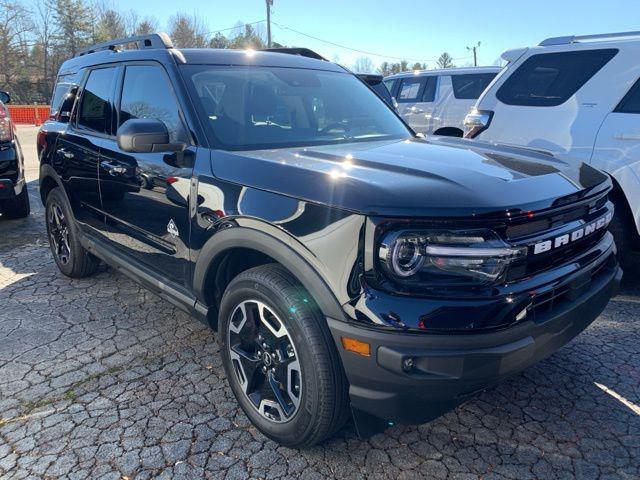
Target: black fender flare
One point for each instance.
(281, 252)
(47, 171)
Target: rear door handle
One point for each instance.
(113, 170)
(627, 136)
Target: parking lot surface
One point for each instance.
(100, 378)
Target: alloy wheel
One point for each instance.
(59, 233)
(265, 361)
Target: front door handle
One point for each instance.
(627, 136)
(64, 153)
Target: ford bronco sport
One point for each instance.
(350, 267)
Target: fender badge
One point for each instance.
(172, 229)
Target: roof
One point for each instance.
(447, 71)
(199, 56)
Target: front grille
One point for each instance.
(544, 303)
(548, 226)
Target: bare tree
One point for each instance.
(15, 26)
(363, 65)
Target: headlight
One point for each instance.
(446, 258)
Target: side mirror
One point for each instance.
(5, 97)
(146, 135)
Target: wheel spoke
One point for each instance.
(246, 366)
(287, 408)
(264, 360)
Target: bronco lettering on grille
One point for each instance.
(567, 238)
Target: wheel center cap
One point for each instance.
(267, 359)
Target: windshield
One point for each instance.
(251, 108)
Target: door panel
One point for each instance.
(76, 160)
(77, 151)
(145, 196)
(617, 151)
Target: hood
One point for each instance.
(414, 177)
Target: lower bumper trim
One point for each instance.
(445, 370)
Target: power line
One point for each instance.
(357, 50)
(234, 27)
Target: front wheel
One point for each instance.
(280, 359)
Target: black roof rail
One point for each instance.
(303, 52)
(153, 40)
(581, 38)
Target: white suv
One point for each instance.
(436, 101)
(578, 98)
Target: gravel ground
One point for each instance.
(101, 379)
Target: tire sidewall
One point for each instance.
(290, 432)
(55, 196)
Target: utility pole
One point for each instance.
(269, 4)
(471, 49)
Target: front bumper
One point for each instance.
(448, 368)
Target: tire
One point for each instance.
(18, 207)
(317, 375)
(70, 256)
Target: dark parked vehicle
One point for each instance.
(376, 83)
(14, 198)
(348, 266)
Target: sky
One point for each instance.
(416, 30)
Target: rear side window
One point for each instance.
(146, 93)
(95, 111)
(631, 102)
(550, 79)
(429, 93)
(59, 93)
(469, 87)
(409, 89)
(389, 85)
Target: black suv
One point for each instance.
(349, 267)
(14, 198)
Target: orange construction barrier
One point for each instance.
(28, 114)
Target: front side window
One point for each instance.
(410, 89)
(631, 102)
(250, 108)
(95, 111)
(146, 93)
(470, 86)
(550, 79)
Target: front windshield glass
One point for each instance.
(251, 108)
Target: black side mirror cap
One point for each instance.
(146, 135)
(5, 97)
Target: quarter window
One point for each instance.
(471, 86)
(550, 79)
(146, 93)
(409, 89)
(429, 93)
(96, 107)
(631, 102)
